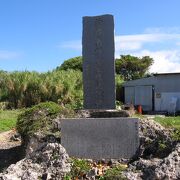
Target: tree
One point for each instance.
(131, 67)
(73, 63)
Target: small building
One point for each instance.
(161, 92)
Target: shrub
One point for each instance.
(40, 118)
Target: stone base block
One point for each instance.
(100, 138)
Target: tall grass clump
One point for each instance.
(22, 89)
(25, 89)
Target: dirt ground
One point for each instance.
(10, 151)
(5, 140)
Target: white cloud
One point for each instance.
(164, 61)
(169, 30)
(5, 55)
(147, 37)
(135, 42)
(127, 42)
(178, 43)
(162, 44)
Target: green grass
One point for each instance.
(169, 122)
(8, 119)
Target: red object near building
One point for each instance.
(139, 109)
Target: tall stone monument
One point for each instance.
(104, 134)
(98, 62)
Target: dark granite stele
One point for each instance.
(98, 62)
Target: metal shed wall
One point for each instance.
(167, 87)
(164, 88)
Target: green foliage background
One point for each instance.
(24, 89)
(127, 66)
(131, 67)
(21, 89)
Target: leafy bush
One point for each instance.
(40, 118)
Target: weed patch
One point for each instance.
(79, 169)
(114, 173)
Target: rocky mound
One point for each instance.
(155, 140)
(158, 156)
(49, 161)
(167, 168)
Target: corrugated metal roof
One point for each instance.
(166, 74)
(148, 80)
(142, 81)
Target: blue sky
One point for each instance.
(40, 34)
